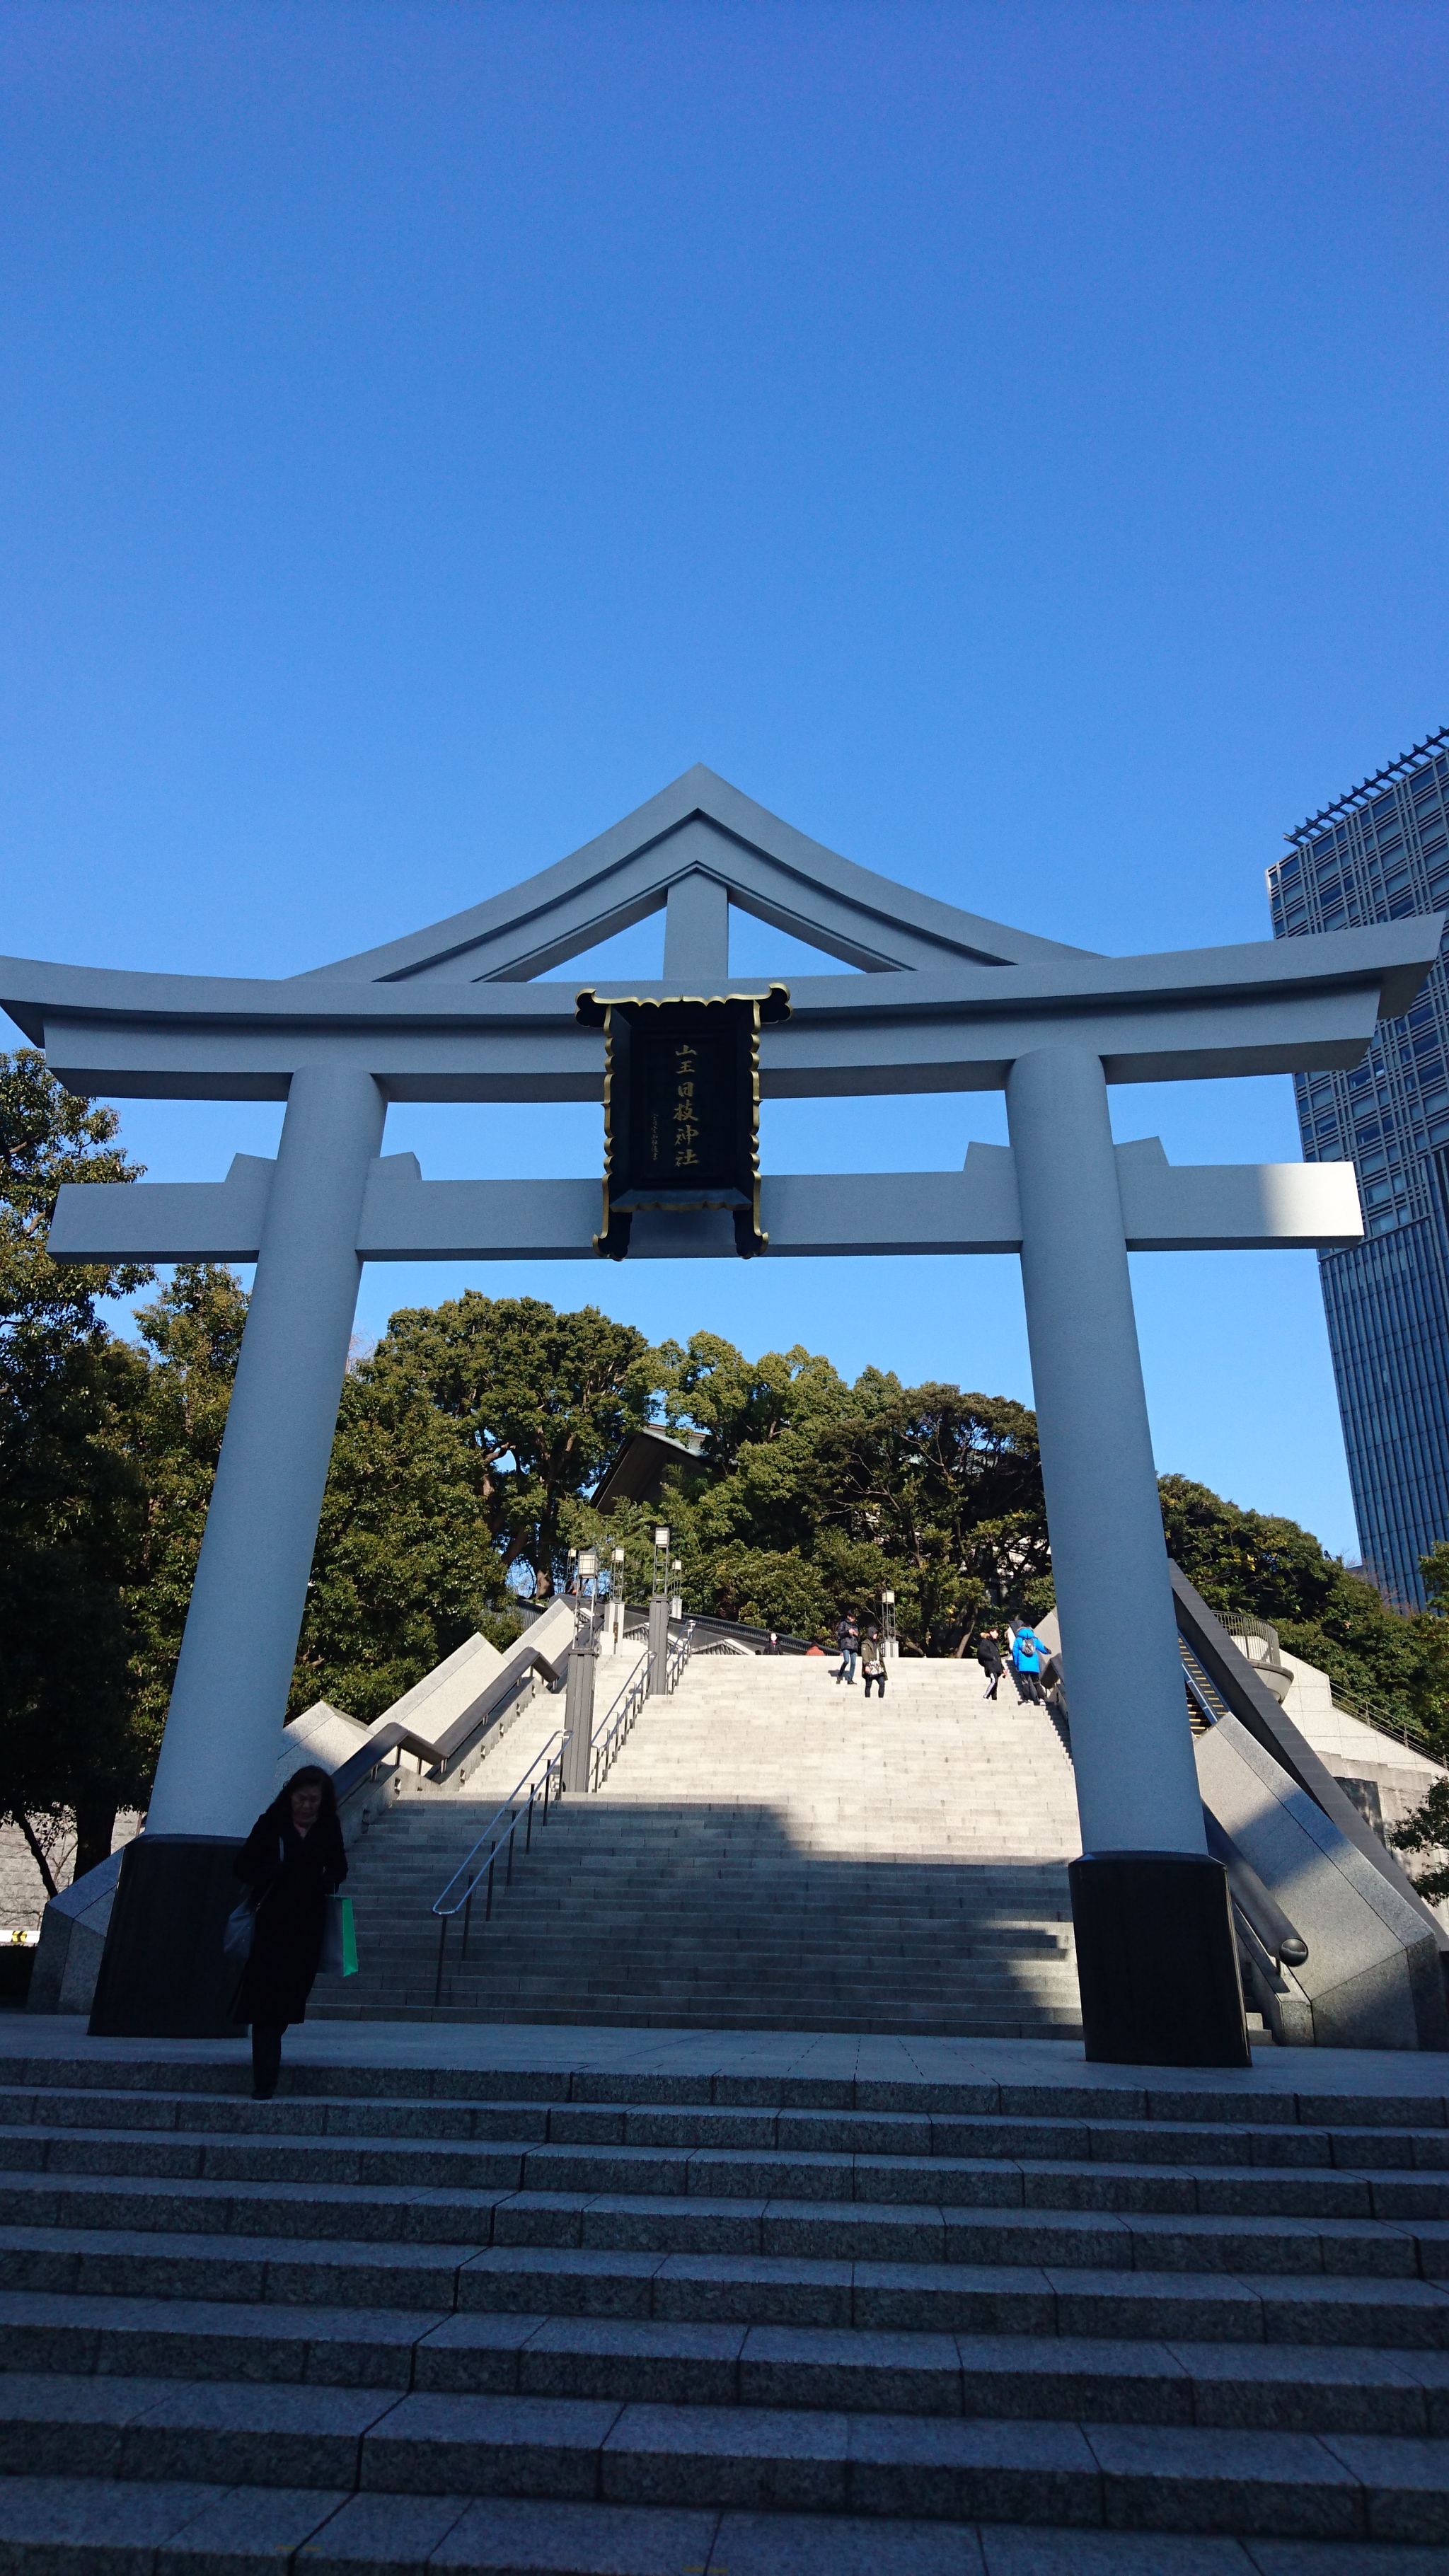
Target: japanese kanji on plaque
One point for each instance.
(682, 1108)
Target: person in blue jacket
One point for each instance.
(1026, 1664)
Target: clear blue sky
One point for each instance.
(1008, 441)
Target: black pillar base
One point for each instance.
(1157, 1960)
(163, 1975)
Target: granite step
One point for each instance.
(828, 2317)
(564, 2013)
(499, 2162)
(1201, 2142)
(1145, 2097)
(1003, 2018)
(676, 2361)
(110, 2528)
(901, 2296)
(1347, 2486)
(742, 2220)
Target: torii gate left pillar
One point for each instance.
(952, 1003)
(235, 1669)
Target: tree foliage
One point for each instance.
(1429, 1678)
(172, 1430)
(1427, 1830)
(813, 1495)
(108, 1448)
(406, 1565)
(69, 1495)
(463, 1442)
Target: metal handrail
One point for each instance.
(1279, 1938)
(1277, 1933)
(612, 1732)
(463, 1902)
(677, 1657)
(1246, 1623)
(1412, 1736)
(1202, 1690)
(479, 1718)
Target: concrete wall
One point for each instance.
(72, 1937)
(22, 1889)
(1352, 1750)
(1372, 1974)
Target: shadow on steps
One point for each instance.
(697, 1914)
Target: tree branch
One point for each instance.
(37, 1853)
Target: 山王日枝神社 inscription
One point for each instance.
(465, 1010)
(682, 1108)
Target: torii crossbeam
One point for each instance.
(948, 1001)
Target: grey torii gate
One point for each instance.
(948, 1002)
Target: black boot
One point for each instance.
(266, 2060)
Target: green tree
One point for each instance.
(69, 1493)
(171, 1431)
(817, 1495)
(538, 1402)
(463, 1444)
(1427, 1829)
(946, 1487)
(1429, 1677)
(406, 1565)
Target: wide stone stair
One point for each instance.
(403, 2318)
(768, 1852)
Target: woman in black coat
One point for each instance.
(293, 1860)
(988, 1656)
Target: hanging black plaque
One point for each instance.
(682, 1108)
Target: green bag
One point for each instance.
(339, 1939)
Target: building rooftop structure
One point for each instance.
(1353, 797)
(1381, 853)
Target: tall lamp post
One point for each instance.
(616, 1588)
(579, 1691)
(659, 1614)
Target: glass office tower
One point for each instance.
(1380, 852)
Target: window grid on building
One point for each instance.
(1382, 853)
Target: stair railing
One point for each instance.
(612, 1734)
(1279, 1939)
(678, 1657)
(609, 1738)
(1384, 1721)
(1205, 1702)
(463, 1886)
(617, 1724)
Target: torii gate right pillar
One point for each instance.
(1156, 1952)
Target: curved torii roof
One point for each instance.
(947, 1002)
(699, 826)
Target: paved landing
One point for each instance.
(871, 2058)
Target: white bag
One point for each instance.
(241, 1923)
(241, 1931)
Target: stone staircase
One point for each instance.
(404, 2317)
(770, 1851)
